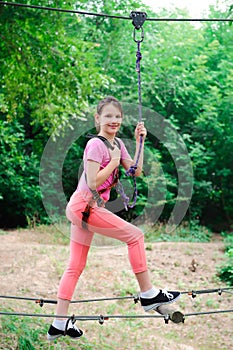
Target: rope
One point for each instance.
(42, 301)
(209, 291)
(78, 318)
(102, 318)
(132, 170)
(227, 291)
(136, 298)
(208, 312)
(46, 8)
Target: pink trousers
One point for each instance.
(100, 221)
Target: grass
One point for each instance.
(19, 334)
(225, 271)
(2, 232)
(59, 233)
(24, 333)
(187, 232)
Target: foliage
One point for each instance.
(54, 67)
(48, 74)
(48, 77)
(24, 334)
(19, 188)
(226, 270)
(195, 91)
(187, 232)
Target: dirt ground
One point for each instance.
(31, 267)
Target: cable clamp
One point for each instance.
(194, 294)
(101, 319)
(40, 302)
(138, 19)
(166, 318)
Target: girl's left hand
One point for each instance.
(140, 131)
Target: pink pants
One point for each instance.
(100, 221)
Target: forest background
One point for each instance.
(56, 66)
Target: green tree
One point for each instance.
(49, 76)
(20, 198)
(55, 66)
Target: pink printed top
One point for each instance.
(97, 151)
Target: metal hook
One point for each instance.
(134, 35)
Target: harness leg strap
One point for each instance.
(86, 214)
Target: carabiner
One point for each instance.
(142, 35)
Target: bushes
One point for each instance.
(20, 198)
(226, 270)
(60, 65)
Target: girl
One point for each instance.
(87, 215)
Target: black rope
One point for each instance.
(227, 291)
(42, 301)
(46, 8)
(115, 16)
(208, 312)
(194, 293)
(190, 19)
(79, 318)
(101, 318)
(136, 297)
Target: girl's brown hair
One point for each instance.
(109, 100)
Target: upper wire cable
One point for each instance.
(46, 8)
(192, 293)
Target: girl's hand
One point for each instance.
(115, 155)
(140, 130)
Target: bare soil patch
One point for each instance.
(31, 267)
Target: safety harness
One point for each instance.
(96, 198)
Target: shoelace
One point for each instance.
(76, 328)
(167, 294)
(70, 324)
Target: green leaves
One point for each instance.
(49, 74)
(19, 188)
(54, 67)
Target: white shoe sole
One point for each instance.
(53, 337)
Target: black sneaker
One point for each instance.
(72, 332)
(164, 297)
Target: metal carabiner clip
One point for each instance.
(134, 35)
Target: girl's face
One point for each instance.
(109, 120)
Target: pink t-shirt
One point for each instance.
(97, 151)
